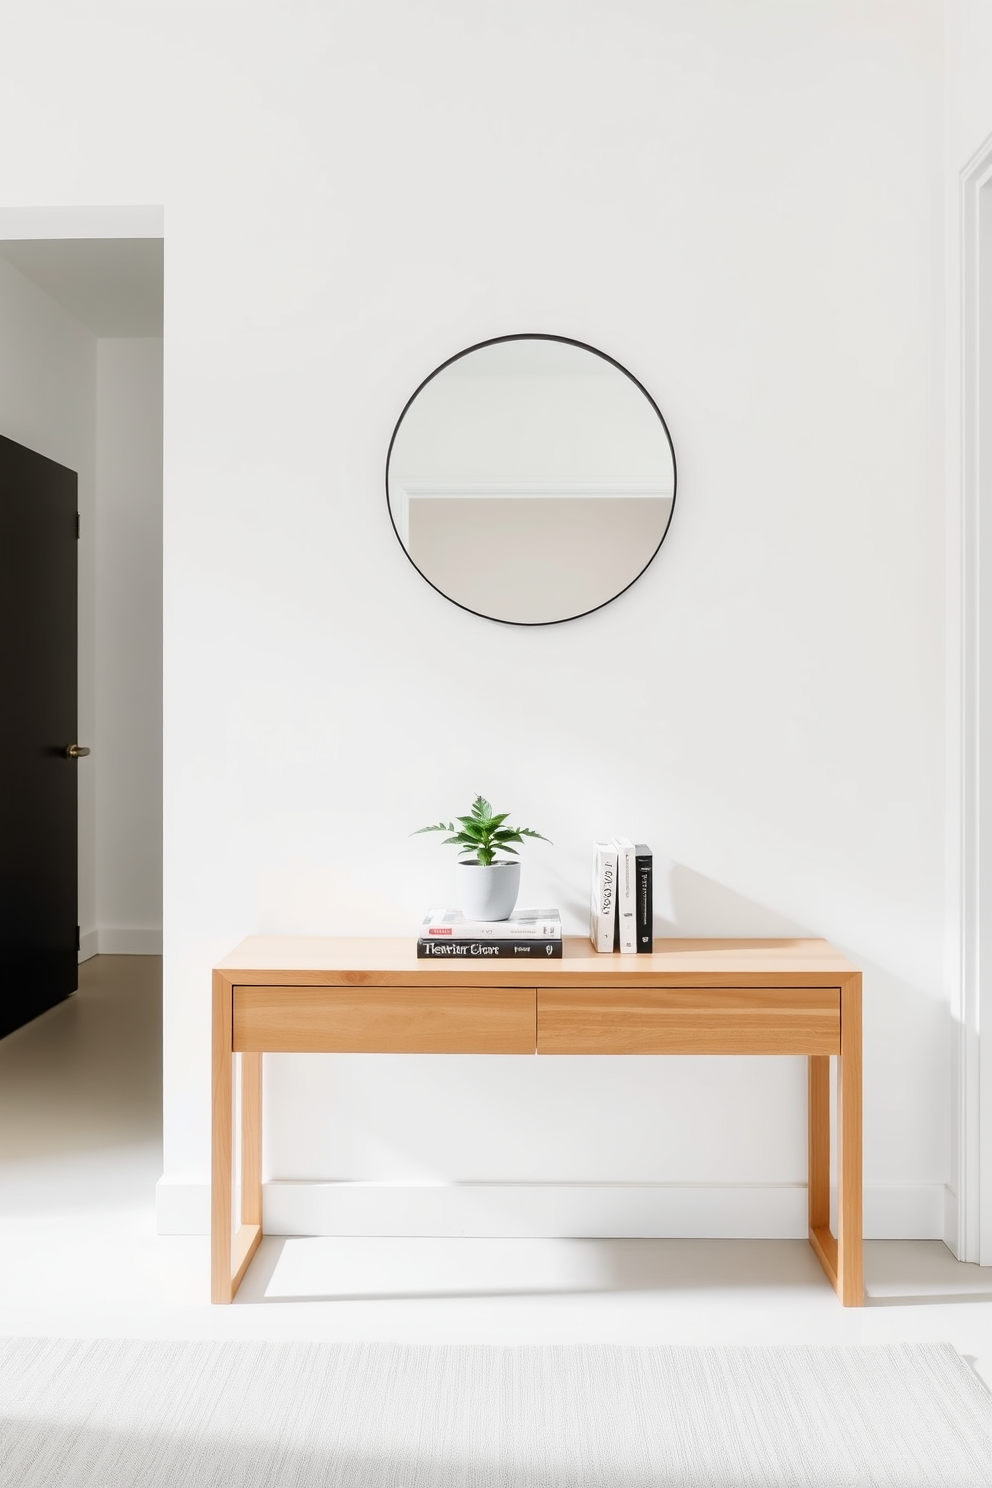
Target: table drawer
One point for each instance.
(688, 1020)
(385, 1020)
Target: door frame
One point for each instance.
(101, 222)
(969, 650)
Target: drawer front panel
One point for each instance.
(385, 1020)
(688, 1020)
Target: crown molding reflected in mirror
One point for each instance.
(531, 479)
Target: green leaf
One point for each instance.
(482, 834)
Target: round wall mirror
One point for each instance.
(531, 479)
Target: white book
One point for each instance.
(626, 895)
(602, 909)
(522, 924)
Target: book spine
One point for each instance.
(645, 900)
(494, 931)
(493, 950)
(626, 897)
(602, 919)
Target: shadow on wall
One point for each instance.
(687, 903)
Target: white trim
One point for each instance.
(88, 945)
(553, 1210)
(567, 489)
(402, 492)
(971, 721)
(125, 940)
(951, 1210)
(82, 222)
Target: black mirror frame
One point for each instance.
(566, 341)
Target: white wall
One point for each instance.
(743, 204)
(48, 404)
(967, 45)
(128, 752)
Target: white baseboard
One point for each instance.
(950, 1236)
(88, 945)
(900, 1211)
(182, 1208)
(124, 940)
(551, 1210)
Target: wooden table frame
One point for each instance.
(689, 997)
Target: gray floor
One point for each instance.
(80, 1153)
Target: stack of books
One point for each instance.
(622, 908)
(527, 932)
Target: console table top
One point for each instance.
(383, 961)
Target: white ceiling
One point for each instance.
(111, 285)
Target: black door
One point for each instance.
(38, 890)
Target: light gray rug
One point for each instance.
(118, 1414)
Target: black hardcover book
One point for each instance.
(493, 950)
(645, 898)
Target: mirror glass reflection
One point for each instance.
(531, 479)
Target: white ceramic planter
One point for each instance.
(487, 893)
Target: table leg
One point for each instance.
(818, 1137)
(251, 1139)
(840, 1257)
(850, 1272)
(222, 1120)
(231, 1254)
(818, 1176)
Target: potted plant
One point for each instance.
(488, 885)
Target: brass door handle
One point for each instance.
(76, 751)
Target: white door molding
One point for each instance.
(971, 719)
(82, 222)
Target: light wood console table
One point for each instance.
(292, 995)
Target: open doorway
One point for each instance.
(81, 311)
